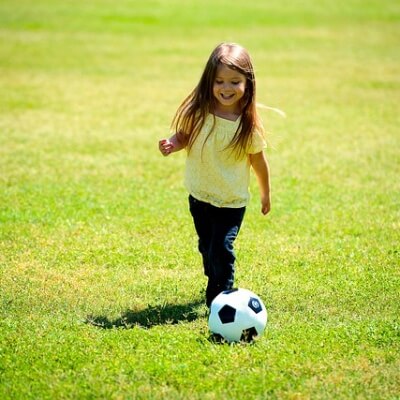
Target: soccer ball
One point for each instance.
(237, 315)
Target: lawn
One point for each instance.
(101, 285)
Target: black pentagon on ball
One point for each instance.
(248, 335)
(227, 314)
(255, 305)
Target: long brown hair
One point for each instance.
(191, 114)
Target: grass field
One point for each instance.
(101, 285)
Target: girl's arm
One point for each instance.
(171, 145)
(260, 165)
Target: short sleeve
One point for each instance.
(257, 144)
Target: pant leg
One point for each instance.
(203, 223)
(226, 226)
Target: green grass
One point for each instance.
(101, 286)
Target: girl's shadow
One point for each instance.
(153, 315)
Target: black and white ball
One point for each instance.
(237, 315)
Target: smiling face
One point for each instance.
(228, 89)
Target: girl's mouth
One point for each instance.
(227, 96)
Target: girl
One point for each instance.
(219, 127)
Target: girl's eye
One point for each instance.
(221, 82)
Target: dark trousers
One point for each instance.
(217, 229)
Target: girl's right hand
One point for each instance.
(166, 147)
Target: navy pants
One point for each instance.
(217, 229)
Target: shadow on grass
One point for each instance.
(152, 316)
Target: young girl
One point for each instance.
(219, 127)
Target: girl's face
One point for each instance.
(229, 87)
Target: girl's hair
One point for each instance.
(190, 116)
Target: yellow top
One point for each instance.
(213, 174)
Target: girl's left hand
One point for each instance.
(265, 205)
